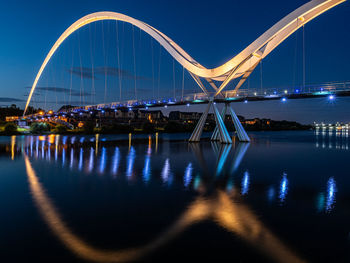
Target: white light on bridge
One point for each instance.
(284, 99)
(331, 97)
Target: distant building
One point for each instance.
(12, 118)
(184, 116)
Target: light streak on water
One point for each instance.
(72, 140)
(146, 170)
(81, 139)
(188, 175)
(283, 188)
(71, 158)
(64, 140)
(97, 136)
(42, 149)
(31, 145)
(37, 147)
(131, 159)
(166, 171)
(56, 153)
(331, 190)
(48, 153)
(81, 155)
(245, 183)
(13, 144)
(103, 161)
(115, 163)
(320, 202)
(197, 182)
(63, 156)
(91, 160)
(271, 194)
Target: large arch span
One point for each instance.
(241, 65)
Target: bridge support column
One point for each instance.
(241, 133)
(215, 136)
(223, 133)
(197, 133)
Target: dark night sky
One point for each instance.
(210, 31)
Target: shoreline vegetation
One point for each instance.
(41, 128)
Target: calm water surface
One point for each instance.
(285, 197)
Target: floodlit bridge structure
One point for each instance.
(239, 67)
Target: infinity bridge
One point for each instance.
(217, 79)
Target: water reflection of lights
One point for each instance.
(43, 149)
(339, 141)
(131, 158)
(97, 136)
(31, 145)
(188, 175)
(270, 194)
(56, 153)
(197, 182)
(245, 183)
(331, 190)
(115, 163)
(48, 153)
(147, 169)
(224, 151)
(80, 164)
(234, 216)
(103, 161)
(320, 202)
(149, 149)
(71, 158)
(13, 144)
(63, 156)
(91, 160)
(238, 156)
(283, 188)
(166, 171)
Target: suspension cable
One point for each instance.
(174, 84)
(81, 72)
(119, 77)
(152, 53)
(92, 69)
(160, 56)
(261, 77)
(71, 77)
(134, 56)
(304, 68)
(183, 83)
(104, 58)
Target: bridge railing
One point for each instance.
(314, 89)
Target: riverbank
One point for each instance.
(43, 128)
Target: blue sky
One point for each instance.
(211, 31)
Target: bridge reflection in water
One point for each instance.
(224, 208)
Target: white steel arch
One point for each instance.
(241, 65)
